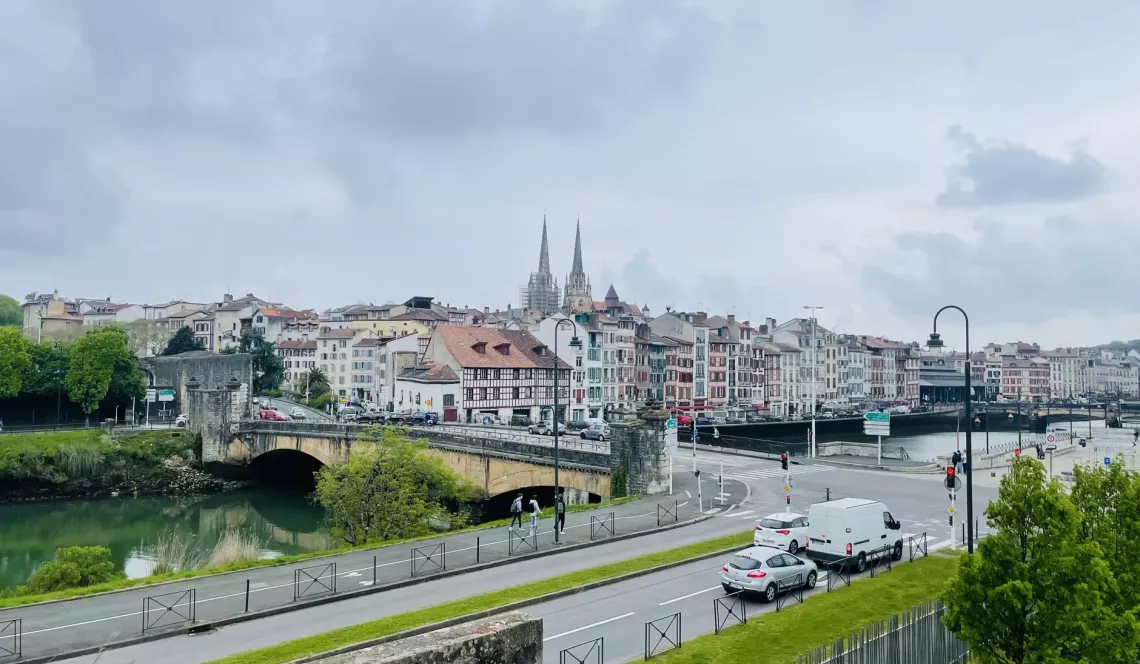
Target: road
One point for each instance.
(917, 500)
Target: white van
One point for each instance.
(852, 528)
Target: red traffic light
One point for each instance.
(949, 471)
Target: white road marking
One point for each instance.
(940, 545)
(365, 583)
(687, 494)
(765, 473)
(744, 513)
(586, 627)
(699, 592)
(352, 575)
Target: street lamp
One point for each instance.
(574, 343)
(936, 342)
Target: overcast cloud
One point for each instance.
(878, 158)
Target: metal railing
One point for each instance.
(790, 589)
(169, 609)
(915, 637)
(427, 559)
(590, 652)
(603, 527)
(917, 545)
(524, 541)
(665, 512)
(11, 638)
(314, 580)
(729, 608)
(566, 439)
(662, 634)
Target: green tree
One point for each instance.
(391, 487)
(15, 360)
(73, 567)
(11, 313)
(314, 384)
(101, 363)
(183, 341)
(49, 366)
(1109, 502)
(268, 368)
(1035, 591)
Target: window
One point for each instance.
(515, 391)
(494, 394)
(449, 401)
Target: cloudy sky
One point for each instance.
(877, 158)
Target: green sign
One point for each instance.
(166, 395)
(877, 417)
(671, 423)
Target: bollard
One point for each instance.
(828, 490)
(373, 570)
(977, 533)
(963, 532)
(476, 550)
(247, 595)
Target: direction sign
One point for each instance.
(151, 395)
(873, 416)
(671, 423)
(1108, 461)
(876, 429)
(166, 395)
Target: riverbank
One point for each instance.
(91, 464)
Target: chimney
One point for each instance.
(700, 318)
(227, 298)
(770, 323)
(763, 329)
(486, 310)
(732, 318)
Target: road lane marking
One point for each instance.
(699, 592)
(687, 494)
(940, 545)
(586, 627)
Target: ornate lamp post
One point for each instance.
(936, 342)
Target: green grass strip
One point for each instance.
(777, 638)
(310, 645)
(122, 584)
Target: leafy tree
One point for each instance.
(73, 567)
(15, 360)
(391, 487)
(10, 312)
(48, 367)
(1109, 502)
(183, 341)
(99, 361)
(268, 368)
(1036, 591)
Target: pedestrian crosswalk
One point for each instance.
(768, 473)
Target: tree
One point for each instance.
(315, 383)
(99, 360)
(11, 314)
(183, 341)
(146, 337)
(268, 369)
(15, 360)
(48, 368)
(390, 488)
(1036, 591)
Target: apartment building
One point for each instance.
(1025, 379)
(298, 357)
(650, 365)
(856, 371)
(678, 373)
(431, 388)
(691, 328)
(740, 366)
(335, 356)
(576, 329)
(718, 369)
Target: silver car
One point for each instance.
(766, 571)
(598, 432)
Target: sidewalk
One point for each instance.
(97, 621)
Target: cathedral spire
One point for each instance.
(544, 254)
(577, 267)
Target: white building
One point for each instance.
(298, 358)
(856, 365)
(98, 314)
(429, 388)
(582, 405)
(396, 356)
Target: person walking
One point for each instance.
(534, 512)
(516, 511)
(956, 461)
(560, 513)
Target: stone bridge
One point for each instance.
(497, 460)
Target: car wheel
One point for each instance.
(601, 439)
(583, 435)
(793, 547)
(897, 553)
(770, 593)
(810, 581)
(530, 431)
(861, 563)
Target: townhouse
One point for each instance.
(679, 366)
(718, 369)
(650, 365)
(298, 357)
(693, 329)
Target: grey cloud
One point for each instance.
(1007, 173)
(1015, 276)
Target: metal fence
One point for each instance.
(662, 634)
(169, 609)
(915, 637)
(11, 633)
(601, 527)
(427, 559)
(590, 652)
(314, 580)
(566, 440)
(667, 513)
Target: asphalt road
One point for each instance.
(919, 501)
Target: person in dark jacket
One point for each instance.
(516, 511)
(560, 513)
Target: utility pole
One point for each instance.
(813, 309)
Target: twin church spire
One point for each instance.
(541, 291)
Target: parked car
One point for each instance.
(733, 420)
(541, 429)
(425, 419)
(852, 529)
(684, 420)
(521, 421)
(598, 432)
(488, 419)
(783, 530)
(704, 421)
(755, 419)
(399, 418)
(372, 417)
(763, 569)
(577, 425)
(271, 415)
(180, 421)
(297, 413)
(349, 413)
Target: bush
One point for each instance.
(619, 483)
(320, 401)
(73, 567)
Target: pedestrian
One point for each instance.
(956, 461)
(516, 511)
(534, 512)
(560, 513)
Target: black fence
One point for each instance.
(590, 652)
(169, 609)
(11, 639)
(882, 557)
(522, 542)
(839, 573)
(662, 635)
(790, 589)
(603, 527)
(428, 559)
(728, 610)
(315, 580)
(916, 544)
(667, 513)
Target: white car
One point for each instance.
(180, 421)
(297, 413)
(785, 530)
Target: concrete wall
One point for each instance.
(211, 370)
(509, 638)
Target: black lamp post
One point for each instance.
(936, 342)
(574, 343)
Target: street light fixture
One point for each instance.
(575, 343)
(936, 342)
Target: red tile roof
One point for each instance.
(338, 333)
(522, 348)
(297, 344)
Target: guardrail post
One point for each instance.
(476, 550)
(373, 570)
(247, 595)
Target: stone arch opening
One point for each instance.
(286, 469)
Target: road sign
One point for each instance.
(166, 395)
(1050, 448)
(671, 423)
(876, 429)
(1108, 461)
(787, 488)
(873, 416)
(151, 395)
(951, 509)
(1050, 438)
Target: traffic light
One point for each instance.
(784, 461)
(950, 477)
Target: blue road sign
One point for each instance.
(1107, 461)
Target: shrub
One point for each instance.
(73, 567)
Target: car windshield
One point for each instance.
(744, 562)
(774, 524)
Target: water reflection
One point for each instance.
(283, 521)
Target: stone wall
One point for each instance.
(211, 370)
(509, 638)
(642, 448)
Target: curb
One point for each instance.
(514, 606)
(361, 592)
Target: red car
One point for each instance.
(268, 414)
(684, 420)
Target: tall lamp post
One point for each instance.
(813, 309)
(574, 343)
(936, 342)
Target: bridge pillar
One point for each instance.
(211, 414)
(641, 448)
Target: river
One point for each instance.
(927, 447)
(283, 521)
